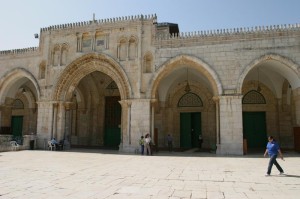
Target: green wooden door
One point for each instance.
(112, 132)
(190, 129)
(185, 130)
(196, 128)
(254, 129)
(17, 126)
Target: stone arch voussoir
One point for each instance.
(11, 76)
(192, 62)
(276, 57)
(74, 72)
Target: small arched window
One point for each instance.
(190, 100)
(148, 63)
(56, 55)
(42, 70)
(132, 48)
(18, 104)
(122, 50)
(253, 97)
(64, 52)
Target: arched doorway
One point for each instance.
(184, 89)
(93, 87)
(268, 105)
(96, 112)
(19, 94)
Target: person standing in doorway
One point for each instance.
(170, 142)
(200, 140)
(31, 143)
(147, 144)
(141, 142)
(273, 150)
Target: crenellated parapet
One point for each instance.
(20, 51)
(152, 18)
(224, 33)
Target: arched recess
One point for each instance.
(148, 62)
(123, 49)
(64, 54)
(13, 80)
(186, 61)
(132, 48)
(85, 65)
(275, 77)
(169, 85)
(18, 85)
(86, 82)
(56, 55)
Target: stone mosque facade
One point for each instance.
(105, 83)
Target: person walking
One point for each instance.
(142, 142)
(273, 150)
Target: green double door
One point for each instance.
(112, 131)
(190, 129)
(254, 129)
(17, 127)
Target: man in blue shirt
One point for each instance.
(273, 150)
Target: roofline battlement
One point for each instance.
(230, 32)
(151, 17)
(19, 51)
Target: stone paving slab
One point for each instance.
(95, 174)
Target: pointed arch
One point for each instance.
(64, 54)
(190, 100)
(289, 71)
(9, 80)
(253, 97)
(42, 70)
(74, 72)
(132, 48)
(122, 48)
(192, 62)
(148, 62)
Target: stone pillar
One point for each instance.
(217, 101)
(67, 126)
(296, 98)
(125, 126)
(139, 123)
(231, 126)
(153, 101)
(60, 121)
(5, 115)
(44, 123)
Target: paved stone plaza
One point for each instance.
(110, 174)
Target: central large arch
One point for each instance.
(88, 93)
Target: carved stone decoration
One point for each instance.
(254, 97)
(190, 100)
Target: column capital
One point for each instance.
(216, 99)
(125, 103)
(68, 105)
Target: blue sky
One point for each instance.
(20, 19)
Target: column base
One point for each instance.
(230, 149)
(127, 148)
